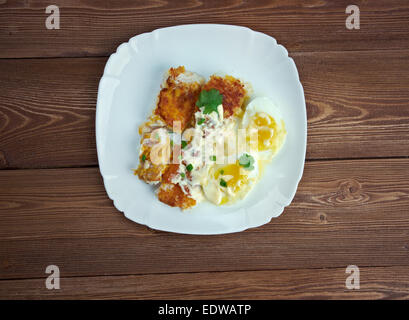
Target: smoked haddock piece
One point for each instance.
(173, 195)
(233, 92)
(177, 98)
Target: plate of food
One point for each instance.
(201, 129)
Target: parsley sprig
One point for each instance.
(210, 100)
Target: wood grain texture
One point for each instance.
(357, 103)
(47, 107)
(47, 112)
(90, 28)
(375, 283)
(345, 212)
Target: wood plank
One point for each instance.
(47, 112)
(47, 107)
(375, 283)
(90, 28)
(353, 109)
(345, 212)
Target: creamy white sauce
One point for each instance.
(200, 151)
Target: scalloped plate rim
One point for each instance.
(107, 68)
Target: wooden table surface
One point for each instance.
(351, 207)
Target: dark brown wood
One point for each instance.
(47, 107)
(375, 283)
(345, 212)
(357, 103)
(47, 112)
(90, 28)
(350, 211)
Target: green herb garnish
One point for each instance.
(222, 172)
(171, 143)
(213, 158)
(246, 161)
(210, 100)
(223, 183)
(143, 158)
(189, 167)
(184, 144)
(182, 175)
(201, 121)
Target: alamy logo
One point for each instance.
(53, 280)
(352, 21)
(53, 20)
(352, 281)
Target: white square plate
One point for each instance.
(127, 94)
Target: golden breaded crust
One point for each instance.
(172, 195)
(232, 90)
(169, 193)
(170, 172)
(173, 74)
(148, 171)
(177, 100)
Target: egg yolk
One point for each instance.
(232, 175)
(267, 131)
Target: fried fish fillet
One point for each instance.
(176, 102)
(233, 92)
(172, 194)
(178, 96)
(147, 170)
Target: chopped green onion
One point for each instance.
(223, 183)
(143, 158)
(189, 167)
(213, 158)
(184, 144)
(246, 161)
(222, 172)
(182, 175)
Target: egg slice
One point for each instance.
(265, 128)
(230, 182)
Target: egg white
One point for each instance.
(261, 104)
(266, 106)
